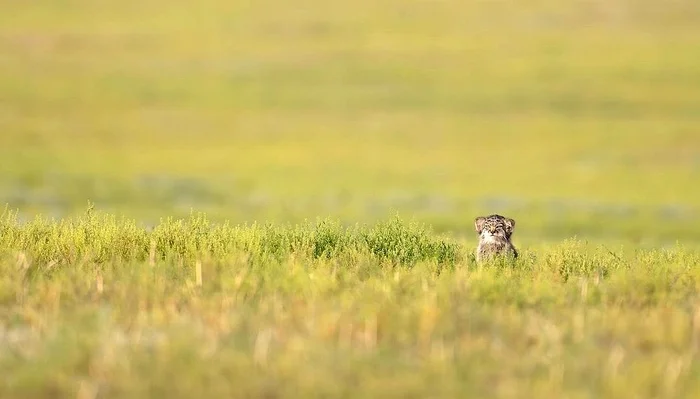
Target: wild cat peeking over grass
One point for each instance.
(494, 237)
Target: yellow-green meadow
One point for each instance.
(276, 199)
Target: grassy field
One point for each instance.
(97, 307)
(340, 152)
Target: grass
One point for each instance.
(340, 152)
(94, 304)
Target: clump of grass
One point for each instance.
(395, 241)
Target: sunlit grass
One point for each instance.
(195, 307)
(299, 129)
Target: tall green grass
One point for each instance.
(103, 238)
(101, 307)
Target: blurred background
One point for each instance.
(576, 118)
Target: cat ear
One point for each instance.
(479, 223)
(510, 223)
